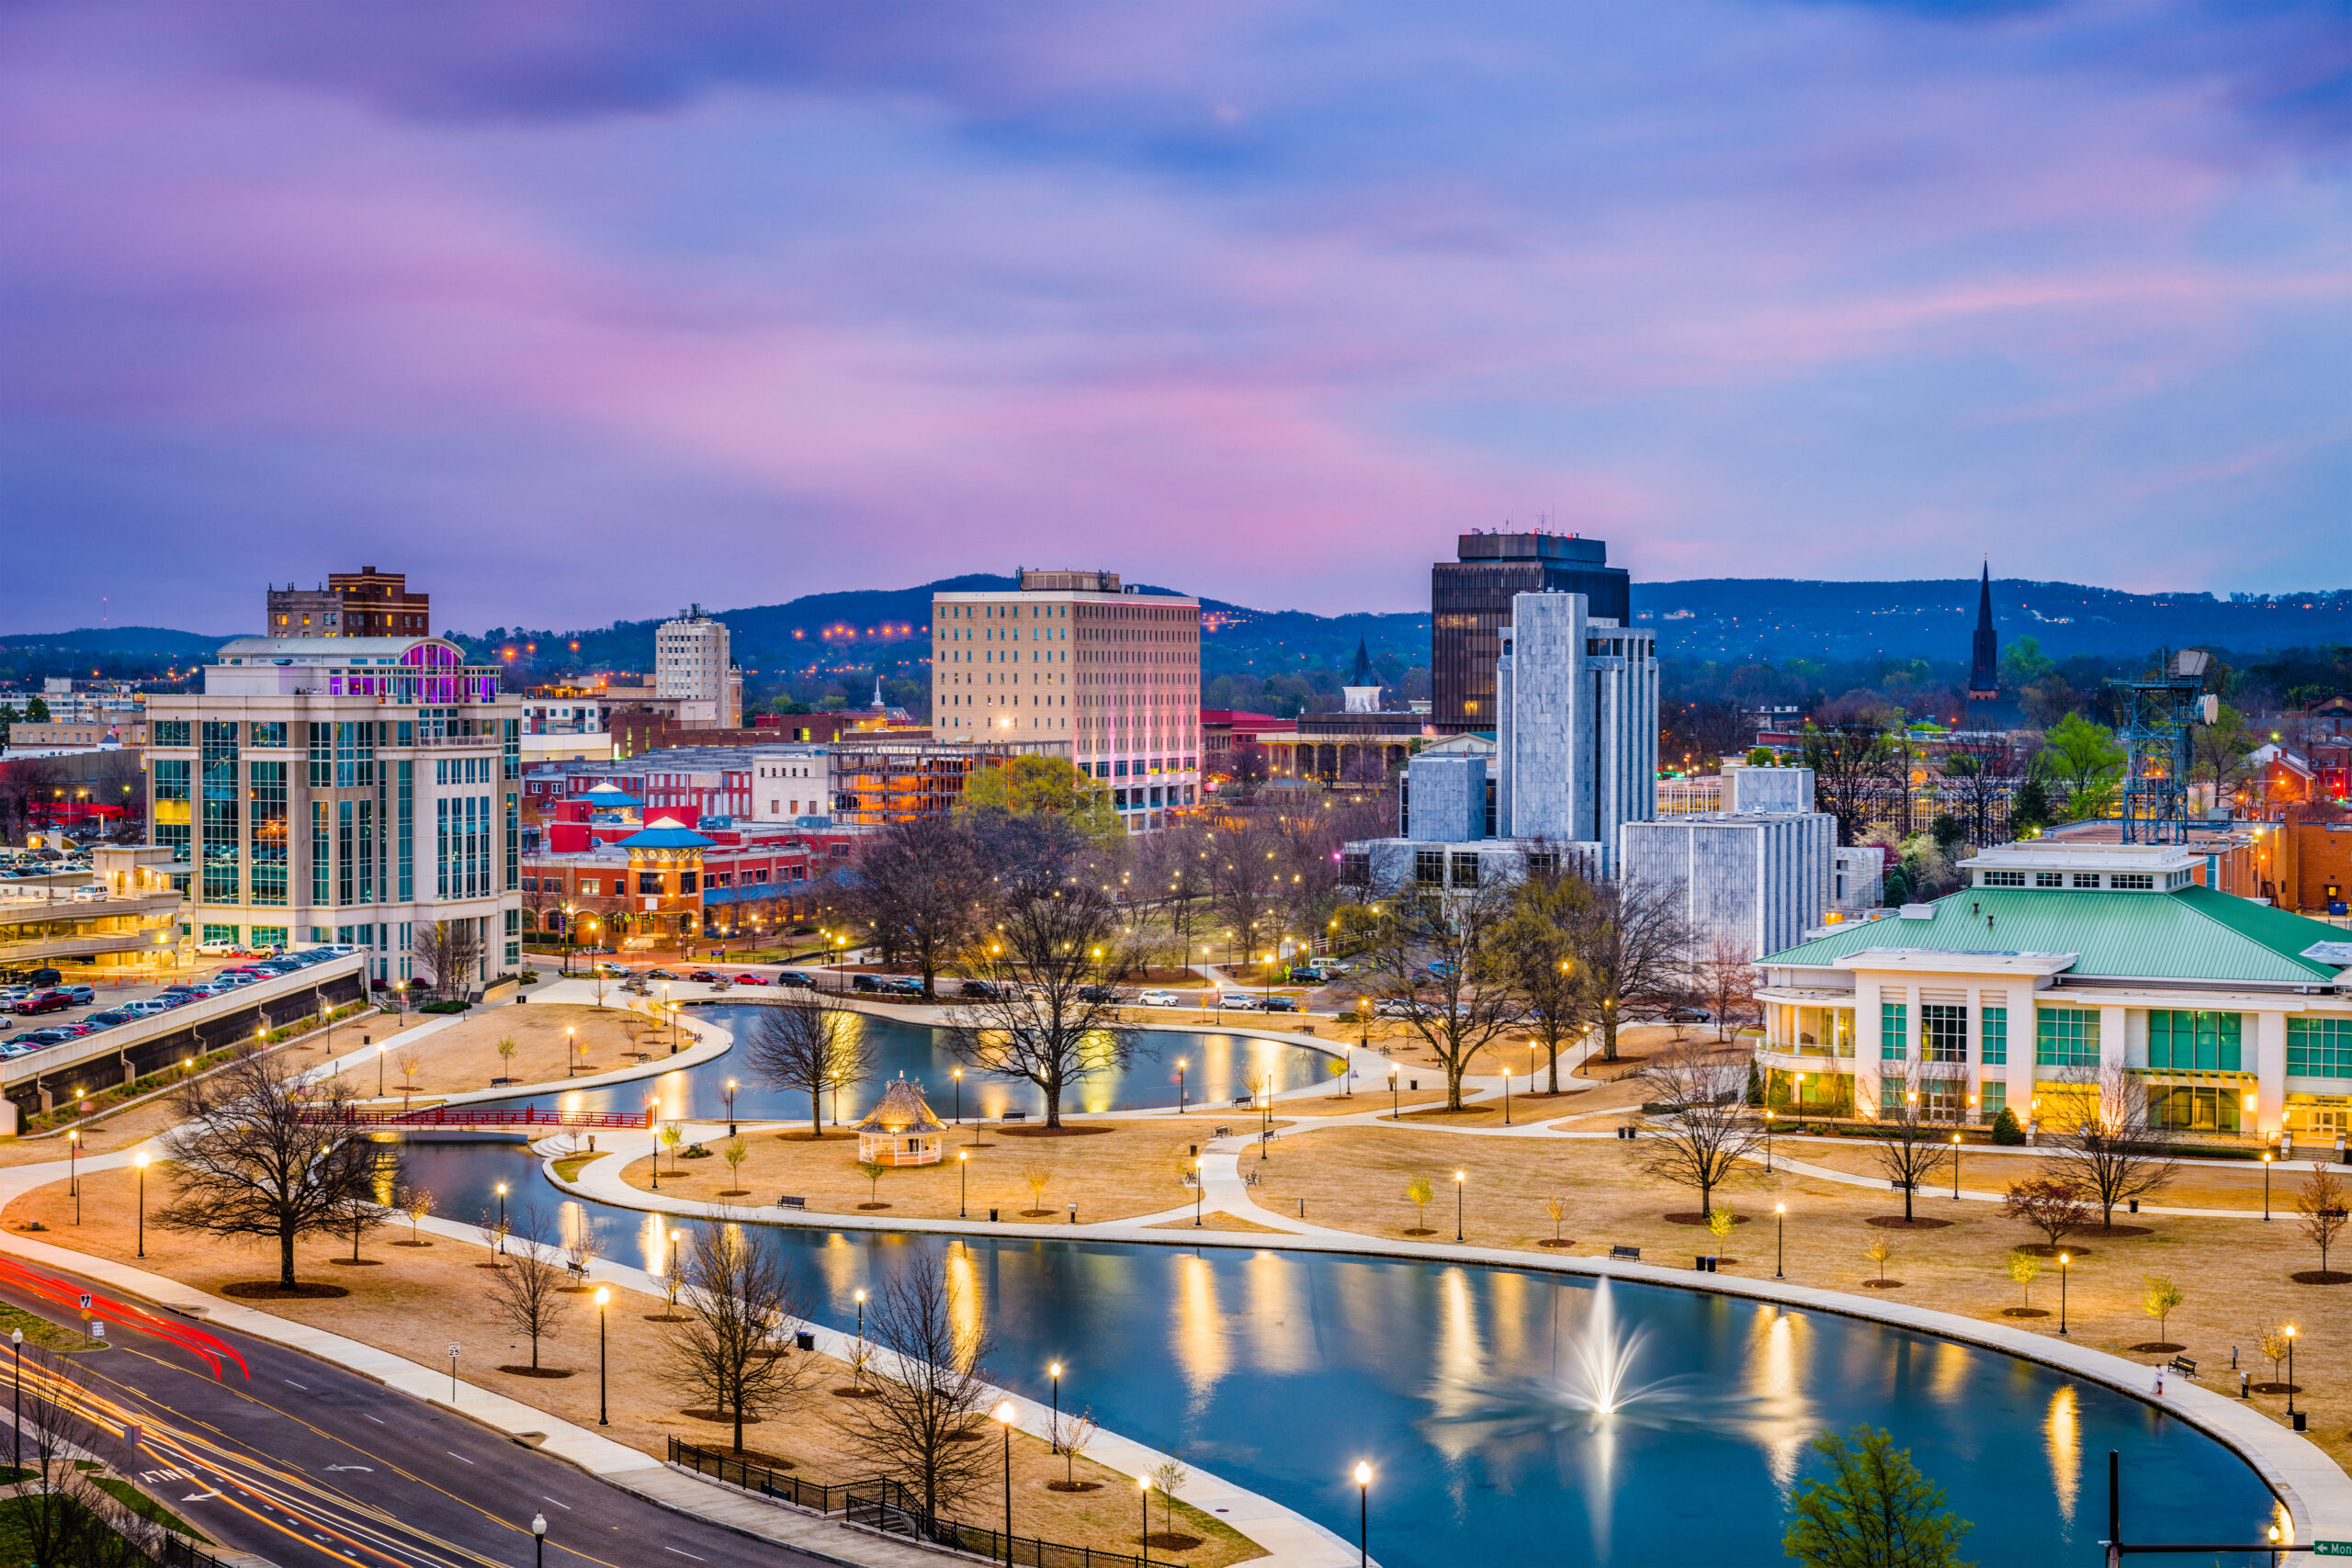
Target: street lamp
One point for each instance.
(73, 1169)
(964, 1184)
(2290, 1369)
(1955, 1167)
(673, 1256)
(651, 1103)
(140, 1159)
(2063, 1261)
(2267, 1157)
(1364, 1515)
(1506, 1094)
(603, 1410)
(1005, 1414)
(1395, 1115)
(1768, 1143)
(501, 1219)
(1143, 1492)
(539, 1540)
(1179, 1086)
(958, 1076)
(380, 1050)
(1198, 1182)
(1779, 1239)
(571, 1050)
(1458, 1177)
(1055, 1433)
(859, 1296)
(730, 1109)
(17, 1427)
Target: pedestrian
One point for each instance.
(2160, 1381)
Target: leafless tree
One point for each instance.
(2105, 1144)
(1539, 948)
(1171, 876)
(1048, 1016)
(808, 1043)
(1910, 1147)
(728, 1356)
(1848, 759)
(929, 1392)
(920, 885)
(1244, 868)
(1633, 950)
(1977, 784)
(2051, 1204)
(1444, 956)
(1725, 975)
(526, 1294)
(450, 952)
(1707, 1129)
(258, 1154)
(64, 1515)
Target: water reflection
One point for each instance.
(2062, 1435)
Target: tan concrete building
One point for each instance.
(344, 790)
(693, 667)
(118, 920)
(1072, 657)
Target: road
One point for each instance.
(307, 1465)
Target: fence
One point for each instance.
(884, 1508)
(759, 1478)
(179, 1552)
(528, 1116)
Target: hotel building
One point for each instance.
(342, 789)
(1070, 659)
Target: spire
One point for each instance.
(1984, 665)
(1363, 676)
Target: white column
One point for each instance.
(1867, 1047)
(2270, 1071)
(2022, 1048)
(2113, 1040)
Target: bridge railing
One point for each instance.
(509, 1116)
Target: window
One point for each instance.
(322, 756)
(2193, 1108)
(2066, 1037)
(222, 854)
(649, 883)
(322, 855)
(1992, 1036)
(2133, 881)
(1943, 1032)
(171, 731)
(1429, 867)
(271, 736)
(1466, 871)
(2003, 879)
(590, 886)
(268, 796)
(1355, 870)
(1894, 1031)
(171, 811)
(269, 936)
(2086, 879)
(2049, 879)
(219, 936)
(2319, 1047)
(2183, 1042)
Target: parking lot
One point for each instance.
(106, 995)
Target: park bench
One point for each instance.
(1249, 1180)
(2185, 1366)
(788, 1201)
(1630, 1253)
(1244, 1099)
(1222, 1133)
(1016, 1116)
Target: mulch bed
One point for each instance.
(667, 1317)
(861, 1205)
(2275, 1388)
(703, 1413)
(2023, 1311)
(734, 1193)
(1073, 1486)
(2115, 1232)
(1172, 1540)
(269, 1291)
(1882, 1285)
(1067, 1130)
(357, 1262)
(2042, 1249)
(2156, 1347)
(1547, 1242)
(537, 1372)
(1701, 1219)
(1420, 1230)
(852, 1393)
(1898, 1222)
(411, 1244)
(2320, 1277)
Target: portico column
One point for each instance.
(2113, 1037)
(2270, 1072)
(1867, 1067)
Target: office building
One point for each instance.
(1470, 603)
(691, 668)
(365, 603)
(342, 789)
(1575, 723)
(2058, 964)
(1073, 660)
(1751, 880)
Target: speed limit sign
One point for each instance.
(453, 1349)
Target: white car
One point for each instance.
(1158, 1000)
(1241, 1000)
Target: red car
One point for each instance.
(751, 979)
(703, 977)
(44, 1002)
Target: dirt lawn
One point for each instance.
(464, 1056)
(414, 1299)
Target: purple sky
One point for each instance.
(579, 310)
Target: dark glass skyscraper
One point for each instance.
(1470, 604)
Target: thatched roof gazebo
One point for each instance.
(901, 1129)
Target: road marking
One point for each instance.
(685, 1554)
(303, 1386)
(201, 1497)
(565, 1506)
(456, 1455)
(369, 1468)
(373, 1418)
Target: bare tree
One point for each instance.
(1048, 1016)
(450, 952)
(1706, 1132)
(64, 1514)
(1539, 948)
(528, 1293)
(1726, 977)
(918, 1421)
(1244, 870)
(1910, 1147)
(1848, 759)
(922, 885)
(809, 1044)
(1633, 950)
(1977, 781)
(2052, 1205)
(258, 1154)
(1444, 956)
(2105, 1144)
(728, 1356)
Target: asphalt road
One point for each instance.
(307, 1465)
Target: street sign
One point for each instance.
(2332, 1548)
(97, 1331)
(453, 1349)
(86, 1300)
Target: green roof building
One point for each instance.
(2059, 966)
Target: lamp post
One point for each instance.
(1780, 1238)
(74, 1169)
(17, 1427)
(1054, 1433)
(2267, 1157)
(1458, 1177)
(141, 1161)
(1506, 1094)
(962, 1184)
(380, 1050)
(571, 1050)
(501, 1219)
(2063, 1261)
(1005, 1414)
(1143, 1490)
(958, 1076)
(1768, 1143)
(674, 1254)
(539, 1540)
(859, 1370)
(604, 1410)
(730, 1107)
(1364, 1515)
(1395, 1112)
(1955, 1167)
(1179, 1086)
(2290, 1369)
(1197, 1183)
(650, 1105)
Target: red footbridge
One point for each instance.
(484, 1116)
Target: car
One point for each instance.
(34, 1038)
(1098, 994)
(40, 1003)
(1308, 974)
(13, 994)
(903, 985)
(792, 979)
(1688, 1015)
(659, 974)
(81, 996)
(1159, 999)
(147, 1009)
(93, 894)
(76, 1029)
(1396, 1007)
(865, 983)
(1280, 1004)
(110, 1017)
(1241, 1001)
(37, 978)
(751, 979)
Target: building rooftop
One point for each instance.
(667, 839)
(332, 649)
(2192, 933)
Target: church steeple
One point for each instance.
(1362, 689)
(1985, 664)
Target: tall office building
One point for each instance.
(342, 789)
(692, 667)
(365, 603)
(1071, 658)
(1575, 723)
(1470, 604)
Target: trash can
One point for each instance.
(2301, 1417)
(2135, 1205)
(804, 1340)
(991, 1216)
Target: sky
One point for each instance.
(579, 310)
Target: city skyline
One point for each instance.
(578, 314)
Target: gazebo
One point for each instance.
(900, 1129)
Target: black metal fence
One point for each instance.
(885, 1507)
(779, 1484)
(179, 1552)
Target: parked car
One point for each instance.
(147, 1009)
(1098, 994)
(1396, 1007)
(795, 980)
(1241, 1001)
(904, 986)
(76, 1029)
(1688, 1015)
(659, 974)
(703, 977)
(40, 1003)
(11, 995)
(94, 893)
(1279, 1004)
(111, 1016)
(36, 978)
(751, 979)
(34, 1038)
(1158, 998)
(866, 983)
(612, 971)
(1308, 974)
(81, 996)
